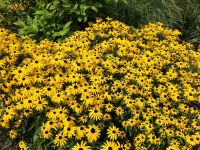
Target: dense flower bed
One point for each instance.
(107, 87)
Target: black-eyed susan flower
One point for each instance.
(95, 114)
(81, 146)
(13, 134)
(119, 111)
(23, 145)
(84, 119)
(60, 140)
(109, 145)
(93, 133)
(40, 104)
(113, 133)
(80, 132)
(69, 131)
(107, 117)
(51, 124)
(46, 133)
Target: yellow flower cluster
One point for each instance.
(17, 6)
(107, 88)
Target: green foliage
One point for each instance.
(11, 10)
(184, 16)
(59, 18)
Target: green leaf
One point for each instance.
(75, 6)
(79, 19)
(19, 23)
(35, 28)
(55, 5)
(48, 5)
(84, 8)
(29, 20)
(64, 32)
(37, 141)
(98, 5)
(67, 6)
(67, 25)
(85, 19)
(40, 4)
(125, 1)
(56, 34)
(39, 12)
(94, 8)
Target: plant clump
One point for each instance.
(107, 87)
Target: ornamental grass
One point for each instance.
(108, 87)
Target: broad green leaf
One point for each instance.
(67, 6)
(75, 6)
(35, 28)
(40, 3)
(94, 8)
(29, 20)
(19, 23)
(48, 5)
(64, 32)
(21, 32)
(55, 5)
(85, 19)
(67, 25)
(84, 7)
(56, 34)
(79, 19)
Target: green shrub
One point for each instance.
(11, 10)
(57, 19)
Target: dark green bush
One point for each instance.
(12, 10)
(57, 19)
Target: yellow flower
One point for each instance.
(93, 133)
(81, 146)
(40, 104)
(69, 131)
(80, 132)
(23, 145)
(46, 133)
(13, 134)
(95, 114)
(60, 140)
(113, 133)
(109, 145)
(83, 119)
(119, 111)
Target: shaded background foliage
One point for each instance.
(184, 16)
(54, 20)
(58, 19)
